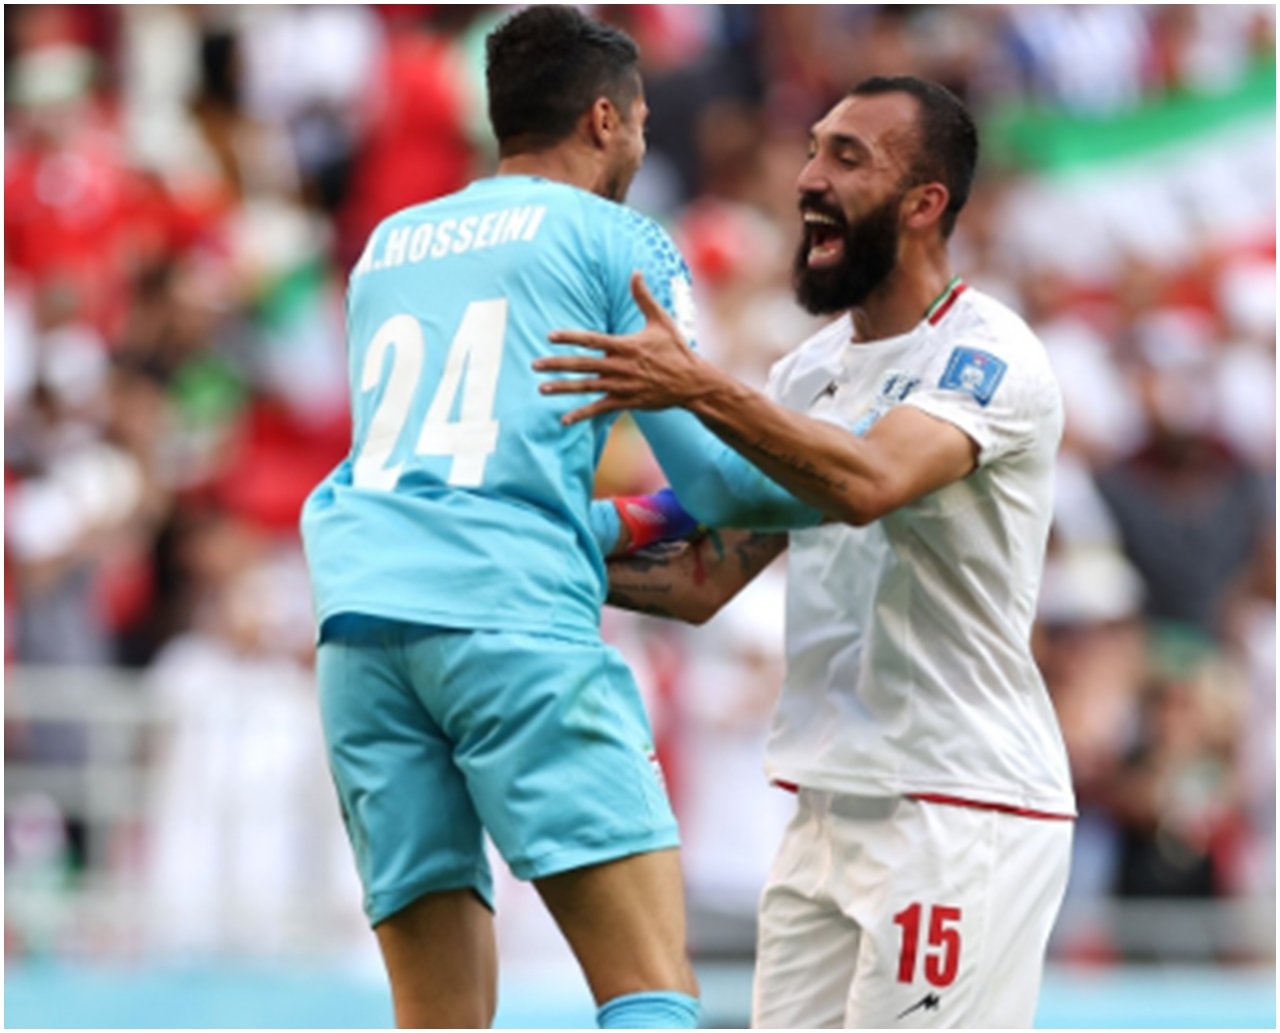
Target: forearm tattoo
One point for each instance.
(790, 461)
(626, 599)
(640, 581)
(674, 580)
(757, 551)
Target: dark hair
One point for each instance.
(545, 66)
(946, 151)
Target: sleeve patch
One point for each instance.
(684, 308)
(973, 372)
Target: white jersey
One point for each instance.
(909, 668)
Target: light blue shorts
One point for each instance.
(436, 736)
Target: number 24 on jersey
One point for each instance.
(472, 367)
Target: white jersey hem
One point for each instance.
(1058, 804)
(456, 621)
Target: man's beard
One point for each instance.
(869, 255)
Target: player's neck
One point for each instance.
(899, 304)
(563, 164)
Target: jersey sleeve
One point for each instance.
(1004, 401)
(638, 244)
(713, 483)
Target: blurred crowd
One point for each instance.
(186, 187)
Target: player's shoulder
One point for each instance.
(625, 217)
(630, 240)
(990, 343)
(984, 321)
(638, 230)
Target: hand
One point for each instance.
(651, 369)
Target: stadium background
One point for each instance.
(184, 189)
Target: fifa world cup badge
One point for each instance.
(973, 372)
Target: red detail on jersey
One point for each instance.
(985, 805)
(947, 302)
(959, 801)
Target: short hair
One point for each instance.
(545, 66)
(947, 149)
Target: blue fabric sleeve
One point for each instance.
(714, 483)
(605, 525)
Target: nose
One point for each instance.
(812, 178)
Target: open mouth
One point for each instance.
(824, 239)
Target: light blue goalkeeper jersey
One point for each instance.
(464, 501)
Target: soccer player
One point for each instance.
(928, 855)
(463, 684)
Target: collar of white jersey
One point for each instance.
(934, 314)
(941, 305)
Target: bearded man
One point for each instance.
(926, 863)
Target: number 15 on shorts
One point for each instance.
(939, 959)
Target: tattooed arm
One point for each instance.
(906, 454)
(838, 474)
(691, 581)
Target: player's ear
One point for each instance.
(602, 121)
(923, 205)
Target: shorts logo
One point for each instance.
(973, 372)
(929, 1002)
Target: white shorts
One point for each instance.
(891, 912)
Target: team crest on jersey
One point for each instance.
(973, 372)
(895, 386)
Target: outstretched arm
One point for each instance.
(716, 484)
(853, 479)
(692, 581)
